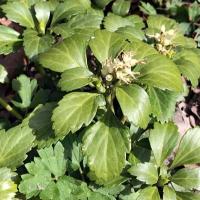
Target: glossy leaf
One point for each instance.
(40, 122)
(169, 75)
(113, 22)
(14, 144)
(75, 78)
(106, 45)
(163, 103)
(146, 172)
(189, 149)
(102, 3)
(105, 144)
(19, 12)
(65, 118)
(163, 139)
(70, 53)
(187, 178)
(135, 104)
(34, 44)
(69, 8)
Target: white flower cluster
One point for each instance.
(164, 40)
(121, 68)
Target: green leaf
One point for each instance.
(113, 22)
(105, 144)
(3, 74)
(19, 13)
(131, 33)
(149, 193)
(51, 165)
(187, 178)
(66, 188)
(69, 8)
(106, 45)
(25, 87)
(70, 53)
(146, 172)
(41, 124)
(73, 150)
(42, 11)
(188, 64)
(163, 139)
(148, 9)
(189, 149)
(34, 44)
(157, 21)
(169, 75)
(135, 104)
(14, 144)
(163, 103)
(121, 7)
(9, 38)
(84, 24)
(75, 78)
(8, 188)
(187, 196)
(81, 107)
(102, 3)
(169, 193)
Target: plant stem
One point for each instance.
(10, 109)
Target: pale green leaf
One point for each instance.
(189, 148)
(149, 193)
(8, 188)
(74, 110)
(70, 53)
(3, 74)
(42, 11)
(105, 144)
(75, 78)
(19, 12)
(41, 172)
(70, 8)
(163, 103)
(169, 193)
(25, 87)
(135, 104)
(121, 7)
(14, 144)
(145, 172)
(187, 178)
(106, 45)
(35, 44)
(147, 8)
(163, 139)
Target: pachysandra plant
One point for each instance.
(93, 116)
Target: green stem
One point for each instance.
(10, 109)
